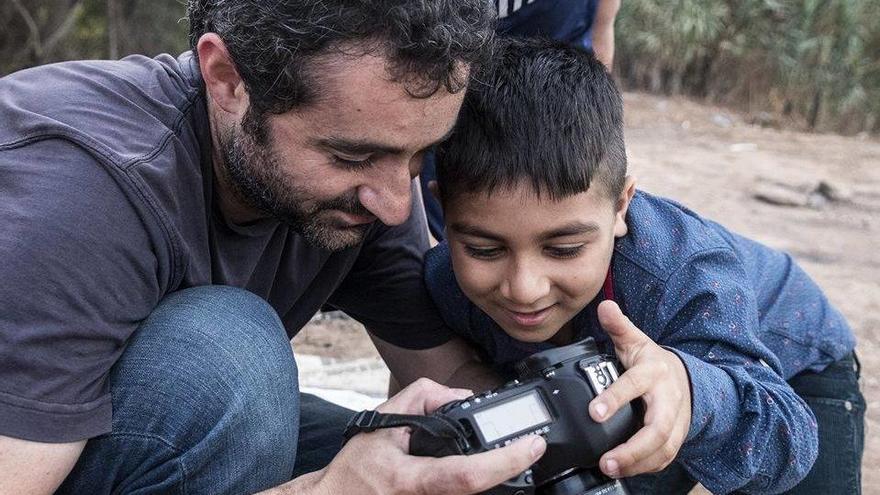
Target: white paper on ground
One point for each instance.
(355, 383)
(346, 398)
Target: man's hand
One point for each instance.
(659, 377)
(379, 463)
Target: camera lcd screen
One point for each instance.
(512, 417)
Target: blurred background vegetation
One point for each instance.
(814, 64)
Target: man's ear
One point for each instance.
(622, 205)
(222, 82)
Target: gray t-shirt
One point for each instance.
(106, 206)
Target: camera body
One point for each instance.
(550, 398)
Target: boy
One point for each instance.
(585, 23)
(549, 242)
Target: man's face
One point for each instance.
(531, 263)
(332, 168)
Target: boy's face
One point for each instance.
(533, 263)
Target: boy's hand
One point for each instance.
(659, 377)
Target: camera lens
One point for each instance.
(583, 482)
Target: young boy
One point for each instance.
(549, 242)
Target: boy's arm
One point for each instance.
(749, 431)
(656, 376)
(453, 364)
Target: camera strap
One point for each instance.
(437, 426)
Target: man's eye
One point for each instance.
(350, 164)
(483, 253)
(564, 251)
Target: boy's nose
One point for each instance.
(525, 287)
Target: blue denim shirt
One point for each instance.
(743, 318)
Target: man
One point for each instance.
(139, 199)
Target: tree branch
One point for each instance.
(64, 28)
(34, 37)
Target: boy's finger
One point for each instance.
(622, 331)
(643, 445)
(632, 384)
(479, 472)
(657, 461)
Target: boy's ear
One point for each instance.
(435, 191)
(222, 82)
(629, 190)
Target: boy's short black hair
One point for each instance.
(542, 113)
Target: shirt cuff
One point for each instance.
(712, 391)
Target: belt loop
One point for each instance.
(858, 366)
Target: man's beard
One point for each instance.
(253, 172)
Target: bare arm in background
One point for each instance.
(603, 31)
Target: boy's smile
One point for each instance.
(529, 262)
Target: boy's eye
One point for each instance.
(568, 251)
(353, 164)
(484, 253)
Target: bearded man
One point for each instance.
(168, 224)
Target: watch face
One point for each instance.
(520, 414)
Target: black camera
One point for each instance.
(549, 398)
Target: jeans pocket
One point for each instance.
(841, 441)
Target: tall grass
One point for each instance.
(817, 61)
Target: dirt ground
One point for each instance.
(716, 162)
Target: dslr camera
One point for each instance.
(549, 398)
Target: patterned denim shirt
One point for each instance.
(743, 318)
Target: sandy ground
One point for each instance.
(715, 161)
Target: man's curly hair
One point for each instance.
(272, 41)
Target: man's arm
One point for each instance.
(34, 467)
(454, 364)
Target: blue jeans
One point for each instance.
(206, 400)
(834, 397)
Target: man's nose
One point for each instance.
(525, 285)
(388, 196)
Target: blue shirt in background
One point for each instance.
(570, 21)
(743, 318)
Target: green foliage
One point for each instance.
(815, 60)
(42, 31)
